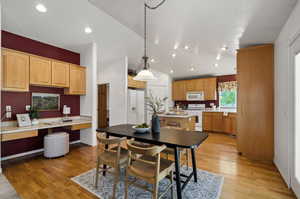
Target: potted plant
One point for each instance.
(155, 105)
(34, 114)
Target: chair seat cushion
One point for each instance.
(110, 156)
(147, 170)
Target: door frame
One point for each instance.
(291, 135)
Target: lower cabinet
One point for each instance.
(218, 122)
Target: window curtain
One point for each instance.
(227, 86)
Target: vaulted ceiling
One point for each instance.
(205, 26)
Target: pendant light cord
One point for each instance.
(145, 30)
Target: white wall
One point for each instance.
(88, 102)
(160, 88)
(283, 94)
(114, 72)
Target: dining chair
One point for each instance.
(170, 151)
(146, 164)
(113, 156)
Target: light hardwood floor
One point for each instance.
(41, 178)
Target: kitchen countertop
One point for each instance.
(47, 123)
(176, 116)
(221, 110)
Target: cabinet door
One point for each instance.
(60, 74)
(179, 90)
(199, 85)
(135, 84)
(190, 85)
(77, 80)
(210, 88)
(40, 71)
(217, 122)
(15, 71)
(207, 122)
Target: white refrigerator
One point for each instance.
(136, 106)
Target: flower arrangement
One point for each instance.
(155, 104)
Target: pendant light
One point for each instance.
(145, 74)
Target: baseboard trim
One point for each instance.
(29, 153)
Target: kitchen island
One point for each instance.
(178, 121)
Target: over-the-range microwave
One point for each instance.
(195, 96)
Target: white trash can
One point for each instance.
(56, 145)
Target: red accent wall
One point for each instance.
(224, 78)
(18, 100)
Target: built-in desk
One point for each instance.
(10, 130)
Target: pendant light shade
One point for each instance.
(144, 75)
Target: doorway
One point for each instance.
(295, 138)
(103, 105)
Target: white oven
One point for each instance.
(195, 96)
(196, 110)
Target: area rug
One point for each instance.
(209, 186)
(6, 190)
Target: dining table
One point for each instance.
(173, 138)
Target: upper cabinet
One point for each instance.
(210, 88)
(19, 70)
(179, 90)
(206, 85)
(15, 71)
(60, 74)
(77, 81)
(40, 71)
(135, 84)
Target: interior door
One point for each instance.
(295, 138)
(103, 106)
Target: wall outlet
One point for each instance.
(8, 108)
(27, 107)
(8, 115)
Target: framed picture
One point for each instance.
(45, 102)
(23, 120)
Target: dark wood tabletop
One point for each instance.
(169, 137)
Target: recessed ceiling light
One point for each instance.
(152, 60)
(192, 69)
(41, 8)
(216, 65)
(88, 30)
(171, 71)
(175, 46)
(186, 47)
(218, 57)
(173, 55)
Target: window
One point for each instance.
(228, 99)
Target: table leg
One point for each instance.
(104, 166)
(177, 173)
(194, 164)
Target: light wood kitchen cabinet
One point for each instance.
(77, 80)
(15, 71)
(255, 121)
(218, 122)
(179, 90)
(135, 84)
(40, 71)
(210, 88)
(60, 74)
(207, 85)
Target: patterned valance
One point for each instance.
(227, 86)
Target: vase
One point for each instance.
(155, 127)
